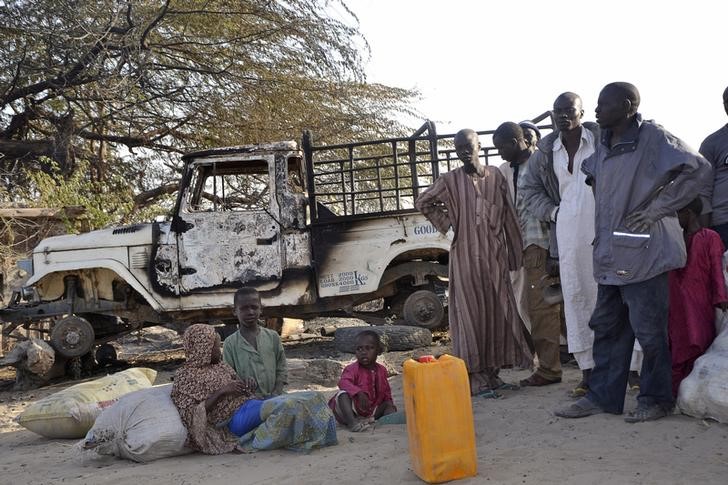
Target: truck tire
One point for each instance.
(72, 336)
(394, 337)
(423, 308)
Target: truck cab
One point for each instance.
(239, 220)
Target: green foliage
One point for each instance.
(105, 203)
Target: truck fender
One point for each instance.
(109, 264)
(419, 270)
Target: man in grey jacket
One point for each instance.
(641, 175)
(715, 149)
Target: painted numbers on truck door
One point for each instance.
(345, 281)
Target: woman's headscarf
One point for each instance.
(194, 382)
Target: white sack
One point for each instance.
(142, 426)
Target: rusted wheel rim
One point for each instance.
(72, 336)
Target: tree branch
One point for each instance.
(26, 148)
(17, 123)
(152, 24)
(70, 78)
(148, 197)
(129, 141)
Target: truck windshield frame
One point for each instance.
(232, 185)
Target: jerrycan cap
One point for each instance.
(426, 358)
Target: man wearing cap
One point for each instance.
(528, 282)
(531, 134)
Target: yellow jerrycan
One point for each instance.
(439, 419)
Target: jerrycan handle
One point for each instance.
(426, 359)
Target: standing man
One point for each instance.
(486, 331)
(554, 191)
(641, 176)
(510, 141)
(715, 149)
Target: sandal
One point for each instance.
(537, 380)
(580, 390)
(488, 394)
(506, 386)
(633, 381)
(580, 409)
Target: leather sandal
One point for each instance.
(579, 391)
(538, 380)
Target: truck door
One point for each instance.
(228, 234)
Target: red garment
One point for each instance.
(373, 382)
(695, 290)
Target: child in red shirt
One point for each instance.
(364, 393)
(695, 291)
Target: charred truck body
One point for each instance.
(318, 230)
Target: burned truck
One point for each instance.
(318, 230)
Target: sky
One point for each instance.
(479, 63)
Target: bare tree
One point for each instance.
(123, 84)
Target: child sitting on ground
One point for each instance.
(364, 393)
(695, 290)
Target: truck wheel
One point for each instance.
(394, 337)
(423, 308)
(72, 336)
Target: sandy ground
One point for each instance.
(519, 442)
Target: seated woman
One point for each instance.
(216, 407)
(221, 415)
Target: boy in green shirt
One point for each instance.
(255, 352)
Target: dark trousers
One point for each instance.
(621, 313)
(722, 230)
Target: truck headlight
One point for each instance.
(28, 293)
(26, 265)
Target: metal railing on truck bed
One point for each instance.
(380, 177)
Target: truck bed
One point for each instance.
(381, 178)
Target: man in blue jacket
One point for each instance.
(641, 175)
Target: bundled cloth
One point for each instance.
(299, 421)
(144, 426)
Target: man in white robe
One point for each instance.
(555, 190)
